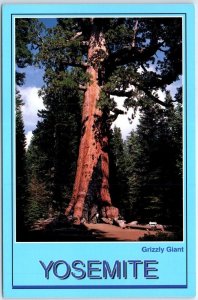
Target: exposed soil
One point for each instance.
(60, 230)
(112, 232)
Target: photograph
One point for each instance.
(99, 147)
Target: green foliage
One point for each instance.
(21, 175)
(23, 38)
(26, 36)
(38, 204)
(155, 166)
(106, 103)
(25, 30)
(52, 155)
(118, 173)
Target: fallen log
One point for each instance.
(107, 221)
(120, 223)
(145, 227)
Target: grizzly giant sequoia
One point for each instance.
(102, 58)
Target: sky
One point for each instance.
(33, 103)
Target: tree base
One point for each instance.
(106, 212)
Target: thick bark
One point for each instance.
(93, 144)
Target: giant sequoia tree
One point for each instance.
(131, 57)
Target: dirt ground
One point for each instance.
(59, 229)
(111, 232)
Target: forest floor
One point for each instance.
(59, 230)
(112, 232)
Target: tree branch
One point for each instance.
(155, 99)
(165, 51)
(160, 81)
(82, 64)
(130, 94)
(75, 36)
(132, 54)
(82, 87)
(84, 43)
(116, 113)
(134, 34)
(120, 93)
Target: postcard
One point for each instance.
(98, 150)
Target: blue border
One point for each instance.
(75, 10)
(94, 286)
(97, 287)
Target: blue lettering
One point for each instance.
(46, 268)
(112, 273)
(124, 269)
(78, 269)
(135, 267)
(67, 271)
(91, 269)
(148, 269)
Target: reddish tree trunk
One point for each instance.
(93, 144)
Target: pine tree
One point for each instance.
(118, 173)
(155, 182)
(174, 195)
(133, 183)
(25, 34)
(21, 178)
(52, 153)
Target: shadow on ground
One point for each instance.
(60, 230)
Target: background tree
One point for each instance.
(25, 34)
(118, 173)
(155, 182)
(52, 153)
(21, 178)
